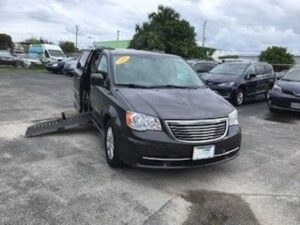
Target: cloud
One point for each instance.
(232, 25)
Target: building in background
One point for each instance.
(121, 44)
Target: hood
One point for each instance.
(213, 79)
(292, 87)
(176, 103)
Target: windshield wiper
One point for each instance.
(134, 85)
(174, 86)
(286, 79)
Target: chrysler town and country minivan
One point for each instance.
(154, 111)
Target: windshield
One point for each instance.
(154, 71)
(56, 53)
(33, 56)
(293, 75)
(5, 54)
(236, 69)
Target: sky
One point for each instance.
(246, 27)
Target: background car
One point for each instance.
(57, 67)
(237, 81)
(69, 66)
(6, 58)
(30, 59)
(285, 94)
(202, 66)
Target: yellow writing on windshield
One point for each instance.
(122, 60)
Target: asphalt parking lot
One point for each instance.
(64, 179)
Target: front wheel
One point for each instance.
(238, 98)
(267, 94)
(111, 147)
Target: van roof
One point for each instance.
(51, 46)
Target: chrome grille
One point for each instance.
(198, 131)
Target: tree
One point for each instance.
(67, 46)
(6, 42)
(277, 55)
(165, 31)
(33, 40)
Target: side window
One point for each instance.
(46, 54)
(268, 68)
(103, 67)
(251, 70)
(259, 69)
(83, 58)
(200, 67)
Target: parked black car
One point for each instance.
(202, 66)
(237, 81)
(58, 67)
(154, 110)
(6, 58)
(285, 94)
(69, 66)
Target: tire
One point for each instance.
(272, 110)
(111, 147)
(238, 98)
(267, 94)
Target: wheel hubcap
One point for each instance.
(240, 98)
(110, 143)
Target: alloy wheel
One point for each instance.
(240, 97)
(110, 143)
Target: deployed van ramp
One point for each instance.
(56, 125)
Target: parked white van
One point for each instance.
(47, 52)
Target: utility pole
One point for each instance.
(203, 33)
(76, 34)
(118, 38)
(118, 35)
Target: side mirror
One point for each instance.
(97, 79)
(250, 76)
(78, 65)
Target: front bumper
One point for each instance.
(159, 150)
(283, 101)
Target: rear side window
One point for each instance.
(268, 68)
(259, 69)
(203, 67)
(83, 58)
(199, 67)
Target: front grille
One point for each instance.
(198, 131)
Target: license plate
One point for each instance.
(203, 152)
(295, 105)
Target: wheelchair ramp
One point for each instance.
(56, 125)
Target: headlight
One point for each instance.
(226, 84)
(233, 118)
(277, 88)
(141, 122)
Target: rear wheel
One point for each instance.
(111, 147)
(238, 98)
